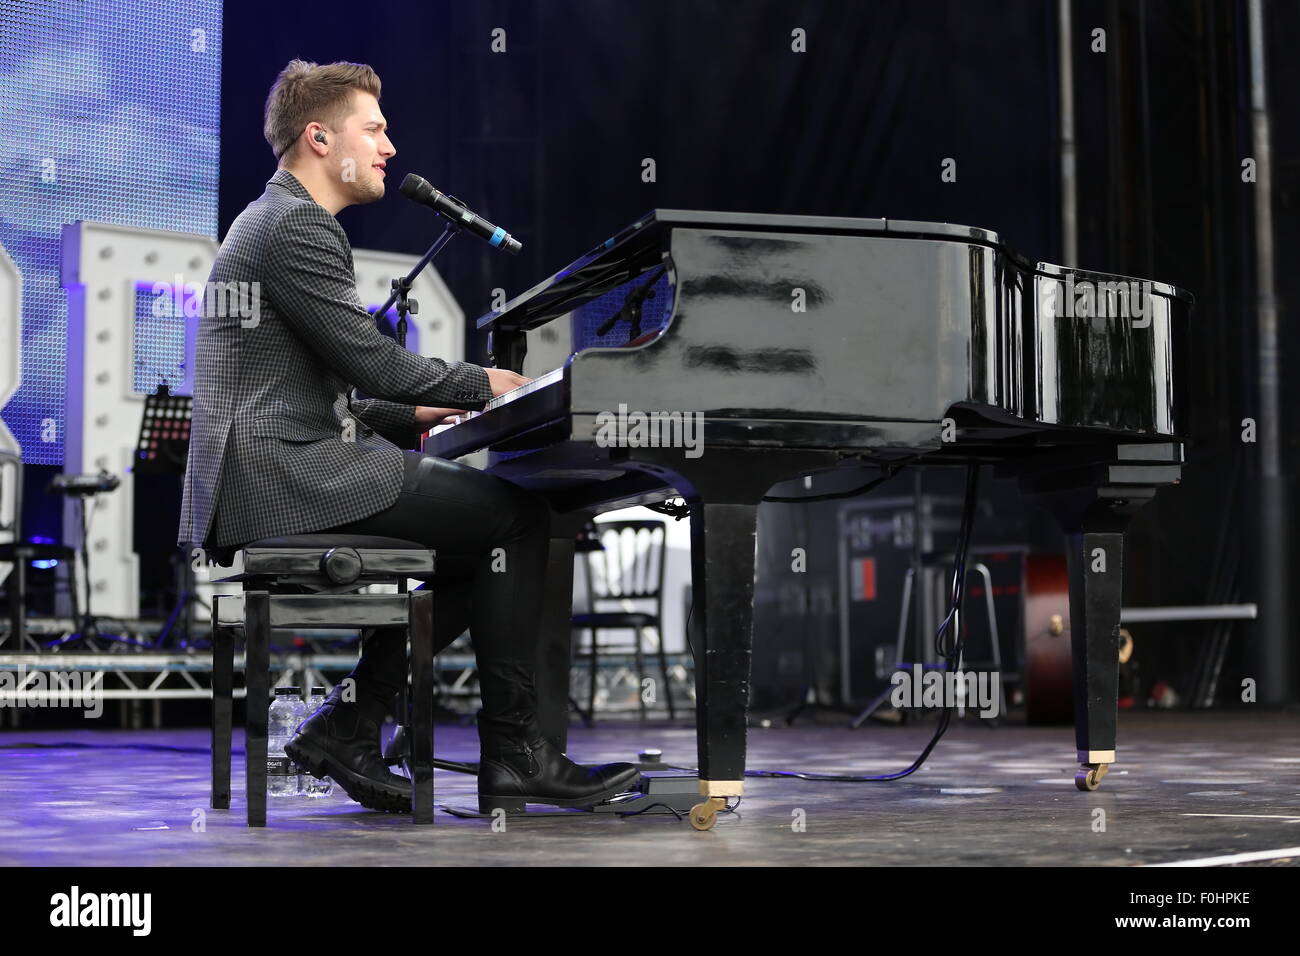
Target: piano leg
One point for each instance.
(1096, 591)
(724, 489)
(1094, 503)
(556, 639)
(722, 571)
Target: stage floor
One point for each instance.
(1187, 787)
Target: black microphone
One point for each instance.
(419, 189)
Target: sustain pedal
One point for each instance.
(668, 790)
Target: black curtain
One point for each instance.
(548, 138)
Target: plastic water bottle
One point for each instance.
(315, 786)
(282, 776)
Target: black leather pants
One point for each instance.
(491, 538)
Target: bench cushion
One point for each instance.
(325, 541)
(376, 558)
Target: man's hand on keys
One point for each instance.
(427, 417)
(503, 380)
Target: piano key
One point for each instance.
(542, 381)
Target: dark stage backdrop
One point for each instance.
(548, 139)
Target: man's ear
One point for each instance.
(317, 138)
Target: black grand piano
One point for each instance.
(805, 344)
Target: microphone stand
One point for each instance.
(87, 623)
(631, 309)
(398, 747)
(402, 286)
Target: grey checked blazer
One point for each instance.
(272, 450)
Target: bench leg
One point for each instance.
(223, 666)
(257, 680)
(420, 658)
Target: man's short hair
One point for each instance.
(306, 92)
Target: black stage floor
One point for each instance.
(1187, 788)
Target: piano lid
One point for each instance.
(640, 246)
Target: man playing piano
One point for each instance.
(280, 447)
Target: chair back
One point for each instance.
(630, 565)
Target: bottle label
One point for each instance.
(280, 767)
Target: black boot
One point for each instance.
(339, 741)
(519, 765)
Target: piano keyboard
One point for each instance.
(542, 381)
(550, 378)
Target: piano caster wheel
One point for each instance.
(704, 815)
(1089, 775)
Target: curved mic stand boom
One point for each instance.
(401, 286)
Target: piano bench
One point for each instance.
(312, 581)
